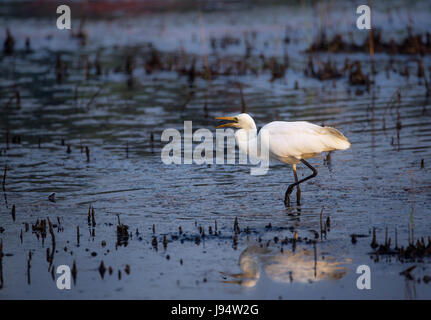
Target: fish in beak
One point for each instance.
(230, 124)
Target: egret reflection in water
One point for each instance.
(288, 266)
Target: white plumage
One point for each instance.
(289, 142)
(292, 141)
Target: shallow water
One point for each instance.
(374, 184)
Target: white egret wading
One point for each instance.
(289, 142)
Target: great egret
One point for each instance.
(289, 142)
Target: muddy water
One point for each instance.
(378, 183)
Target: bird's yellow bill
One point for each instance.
(230, 124)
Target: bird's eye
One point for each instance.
(235, 119)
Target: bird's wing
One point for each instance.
(302, 139)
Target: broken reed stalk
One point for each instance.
(374, 243)
(321, 224)
(243, 105)
(236, 228)
(89, 215)
(315, 258)
(295, 238)
(165, 242)
(18, 100)
(13, 213)
(235, 241)
(1, 263)
(87, 152)
(93, 219)
(386, 236)
(28, 268)
(127, 269)
(102, 269)
(51, 232)
(154, 243)
(74, 272)
(412, 214)
(4, 177)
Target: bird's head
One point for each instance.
(241, 121)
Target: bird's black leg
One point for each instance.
(298, 189)
(290, 188)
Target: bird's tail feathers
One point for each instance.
(340, 142)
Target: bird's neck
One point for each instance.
(246, 139)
